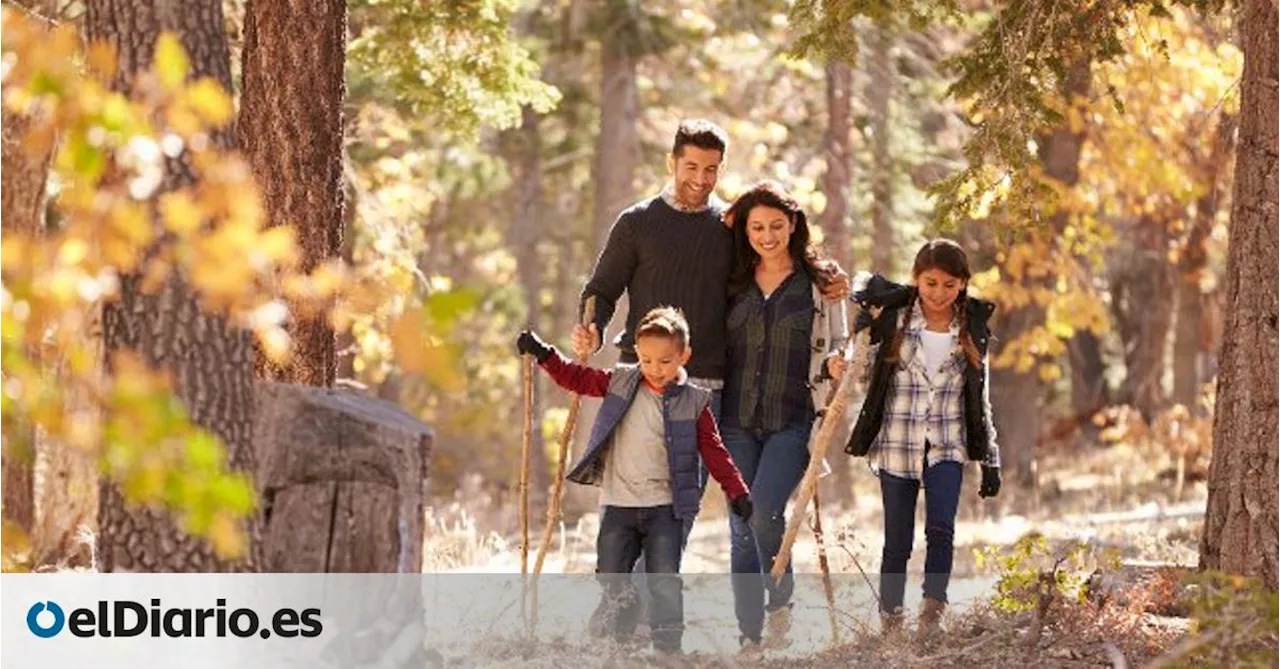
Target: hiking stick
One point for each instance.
(836, 408)
(553, 509)
(526, 456)
(826, 569)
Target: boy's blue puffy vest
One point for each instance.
(682, 404)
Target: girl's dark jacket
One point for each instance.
(893, 298)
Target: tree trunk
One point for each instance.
(1240, 530)
(838, 179)
(209, 361)
(880, 90)
(1187, 350)
(617, 154)
(525, 234)
(290, 131)
(836, 184)
(23, 210)
(617, 145)
(1142, 298)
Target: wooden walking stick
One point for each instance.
(553, 509)
(526, 456)
(834, 414)
(826, 569)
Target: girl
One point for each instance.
(926, 412)
(784, 343)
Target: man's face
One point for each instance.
(695, 171)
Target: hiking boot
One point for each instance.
(777, 624)
(891, 623)
(930, 618)
(749, 645)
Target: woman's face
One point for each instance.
(769, 230)
(938, 291)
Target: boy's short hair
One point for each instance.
(664, 322)
(700, 133)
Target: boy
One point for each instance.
(643, 453)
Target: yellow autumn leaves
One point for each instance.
(141, 185)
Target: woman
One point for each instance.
(925, 414)
(785, 342)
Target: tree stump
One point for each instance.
(341, 479)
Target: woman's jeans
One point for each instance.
(772, 464)
(941, 497)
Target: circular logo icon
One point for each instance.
(34, 623)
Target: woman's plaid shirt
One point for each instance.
(920, 409)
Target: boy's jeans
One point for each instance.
(772, 465)
(626, 533)
(941, 497)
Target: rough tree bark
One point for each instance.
(1240, 527)
(290, 130)
(22, 191)
(209, 361)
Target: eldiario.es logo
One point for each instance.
(125, 618)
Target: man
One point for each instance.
(673, 249)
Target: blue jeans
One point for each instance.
(772, 465)
(941, 497)
(596, 626)
(626, 533)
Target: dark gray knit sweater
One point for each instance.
(663, 257)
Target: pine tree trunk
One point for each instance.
(836, 184)
(525, 235)
(838, 178)
(880, 90)
(1142, 296)
(209, 361)
(290, 130)
(1240, 530)
(617, 155)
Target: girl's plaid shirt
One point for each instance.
(920, 409)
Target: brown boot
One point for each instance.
(890, 624)
(930, 617)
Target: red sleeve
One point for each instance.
(577, 378)
(717, 457)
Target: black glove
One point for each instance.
(529, 343)
(990, 482)
(742, 507)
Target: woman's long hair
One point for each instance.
(948, 256)
(807, 256)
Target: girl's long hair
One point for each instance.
(806, 255)
(948, 256)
